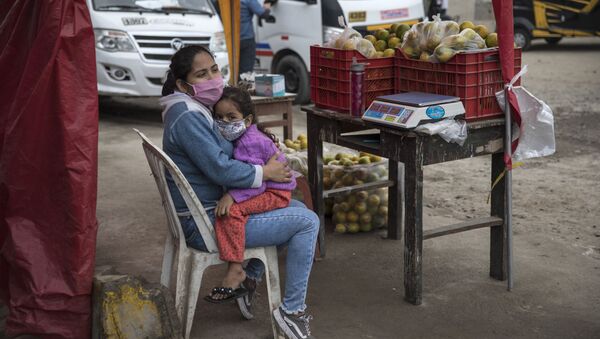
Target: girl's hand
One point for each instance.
(277, 171)
(224, 205)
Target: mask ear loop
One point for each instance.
(192, 86)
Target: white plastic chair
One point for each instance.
(190, 263)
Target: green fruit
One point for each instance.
(339, 217)
(361, 173)
(340, 228)
(492, 40)
(344, 207)
(373, 210)
(373, 200)
(362, 195)
(380, 45)
(366, 227)
(352, 216)
(360, 207)
(327, 160)
(382, 211)
(351, 200)
(382, 34)
(394, 27)
(394, 42)
(357, 182)
(372, 177)
(371, 38)
(482, 31)
(388, 53)
(334, 163)
(366, 218)
(348, 179)
(443, 54)
(401, 30)
(347, 162)
(353, 227)
(378, 221)
(364, 160)
(466, 24)
(424, 56)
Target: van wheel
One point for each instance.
(522, 38)
(553, 41)
(296, 77)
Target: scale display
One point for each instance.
(408, 110)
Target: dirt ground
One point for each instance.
(357, 290)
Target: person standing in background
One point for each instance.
(248, 9)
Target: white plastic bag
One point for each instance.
(536, 135)
(448, 129)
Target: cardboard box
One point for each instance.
(270, 85)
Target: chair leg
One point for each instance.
(196, 274)
(167, 264)
(273, 286)
(184, 267)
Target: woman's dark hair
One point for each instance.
(181, 65)
(243, 102)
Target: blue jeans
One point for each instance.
(295, 227)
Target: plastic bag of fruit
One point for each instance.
(466, 40)
(434, 31)
(360, 211)
(296, 153)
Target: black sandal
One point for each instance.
(229, 293)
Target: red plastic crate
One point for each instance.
(330, 77)
(475, 77)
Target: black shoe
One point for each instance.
(245, 303)
(294, 326)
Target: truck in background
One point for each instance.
(136, 39)
(283, 46)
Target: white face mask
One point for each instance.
(232, 130)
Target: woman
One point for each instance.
(193, 141)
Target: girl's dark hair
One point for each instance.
(243, 102)
(181, 65)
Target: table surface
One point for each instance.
(344, 117)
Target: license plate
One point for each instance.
(394, 13)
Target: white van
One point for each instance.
(136, 39)
(283, 46)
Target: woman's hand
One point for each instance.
(224, 205)
(277, 171)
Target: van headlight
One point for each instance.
(113, 41)
(217, 43)
(331, 33)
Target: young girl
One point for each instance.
(236, 120)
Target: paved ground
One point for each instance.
(356, 292)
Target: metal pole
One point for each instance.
(508, 189)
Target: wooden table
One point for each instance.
(413, 151)
(266, 106)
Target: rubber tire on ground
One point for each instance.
(553, 41)
(523, 34)
(296, 77)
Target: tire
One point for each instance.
(553, 41)
(296, 77)
(522, 38)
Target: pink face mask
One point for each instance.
(208, 92)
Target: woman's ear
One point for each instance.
(182, 86)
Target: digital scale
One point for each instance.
(408, 110)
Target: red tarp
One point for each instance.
(48, 166)
(503, 11)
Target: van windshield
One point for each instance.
(165, 6)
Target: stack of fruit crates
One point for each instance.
(475, 77)
(330, 77)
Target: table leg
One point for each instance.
(315, 176)
(413, 225)
(498, 244)
(395, 200)
(289, 117)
